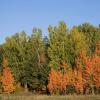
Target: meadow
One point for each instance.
(46, 97)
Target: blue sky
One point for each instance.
(19, 15)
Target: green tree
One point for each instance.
(76, 41)
(92, 34)
(57, 45)
(27, 59)
(14, 50)
(36, 62)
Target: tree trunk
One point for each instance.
(92, 88)
(38, 57)
(26, 89)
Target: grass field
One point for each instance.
(45, 97)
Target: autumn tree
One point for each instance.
(80, 61)
(78, 81)
(52, 81)
(97, 65)
(96, 75)
(57, 82)
(70, 55)
(92, 70)
(7, 78)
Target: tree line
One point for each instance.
(67, 61)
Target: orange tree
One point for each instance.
(7, 78)
(61, 81)
(80, 62)
(91, 73)
(89, 69)
(97, 65)
(78, 81)
(57, 82)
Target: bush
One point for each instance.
(70, 89)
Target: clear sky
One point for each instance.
(19, 15)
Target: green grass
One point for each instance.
(45, 97)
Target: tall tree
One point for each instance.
(57, 45)
(36, 66)
(14, 50)
(92, 34)
(76, 42)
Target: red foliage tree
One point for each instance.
(7, 78)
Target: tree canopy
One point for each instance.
(66, 61)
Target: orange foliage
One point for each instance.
(87, 72)
(78, 81)
(57, 82)
(81, 60)
(96, 70)
(97, 65)
(85, 75)
(92, 69)
(7, 78)
(91, 73)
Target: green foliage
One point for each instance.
(57, 45)
(14, 50)
(27, 58)
(92, 34)
(1, 58)
(70, 89)
(31, 57)
(76, 41)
